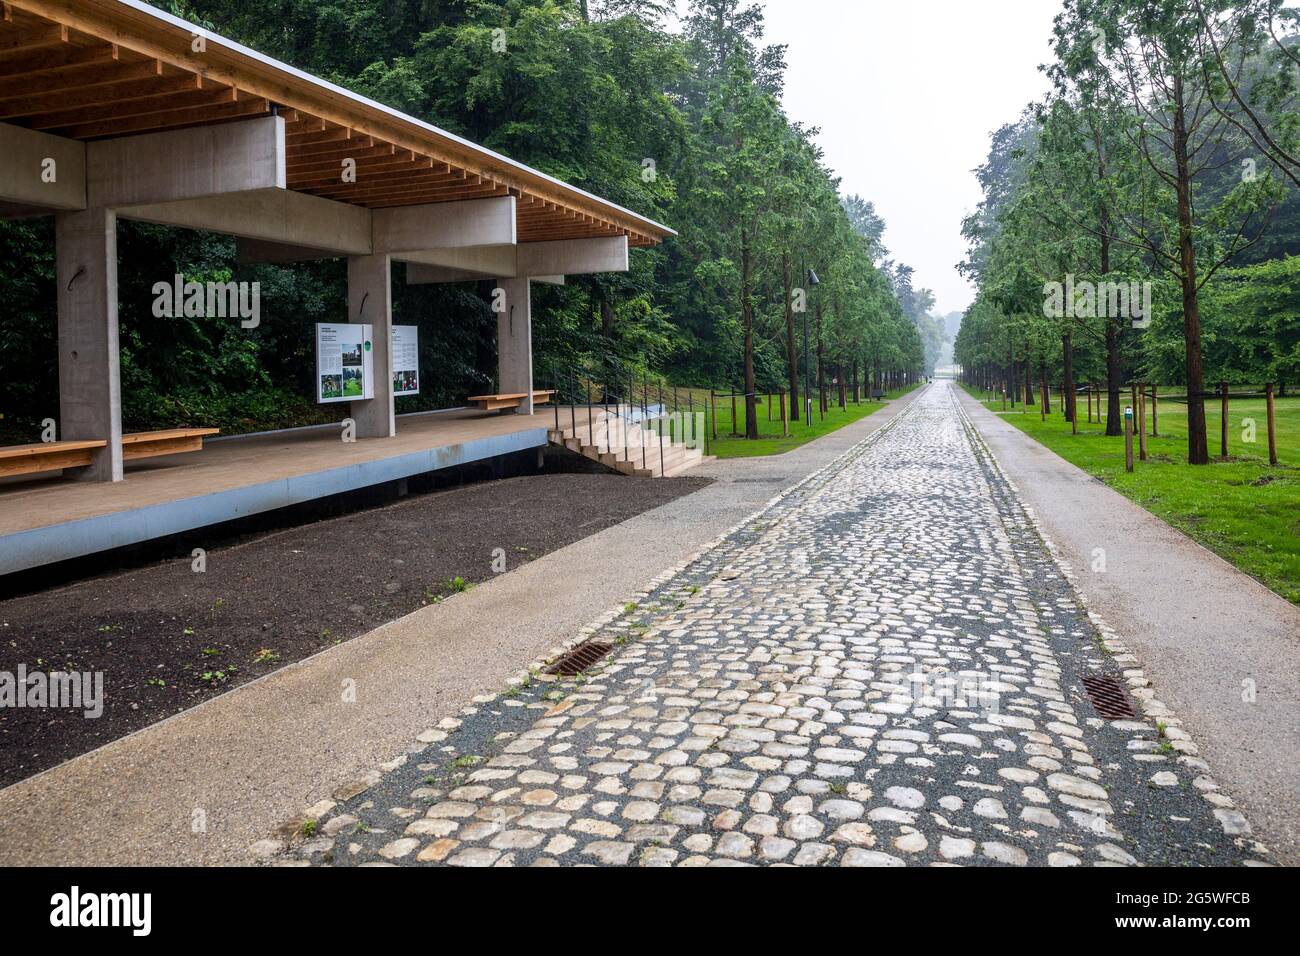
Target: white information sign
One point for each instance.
(344, 362)
(406, 360)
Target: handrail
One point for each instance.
(615, 396)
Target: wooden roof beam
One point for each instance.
(76, 77)
(434, 199)
(50, 60)
(119, 92)
(34, 38)
(415, 195)
(334, 134)
(143, 106)
(169, 120)
(302, 123)
(421, 169)
(422, 185)
(333, 159)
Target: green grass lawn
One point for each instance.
(1239, 508)
(730, 442)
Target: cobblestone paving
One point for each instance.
(882, 668)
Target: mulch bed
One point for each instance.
(167, 638)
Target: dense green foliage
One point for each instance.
(591, 92)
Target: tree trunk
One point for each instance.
(1067, 351)
(821, 369)
(1114, 425)
(791, 354)
(1114, 414)
(606, 316)
(1198, 451)
(747, 319)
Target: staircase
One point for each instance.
(614, 439)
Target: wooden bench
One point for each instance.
(57, 455)
(47, 456)
(169, 441)
(494, 403)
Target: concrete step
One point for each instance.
(648, 460)
(692, 461)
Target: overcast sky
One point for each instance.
(906, 94)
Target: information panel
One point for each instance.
(344, 362)
(406, 360)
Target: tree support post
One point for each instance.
(1128, 438)
(1272, 433)
(1142, 422)
(1223, 420)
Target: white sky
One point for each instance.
(906, 93)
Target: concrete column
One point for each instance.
(515, 342)
(370, 300)
(90, 391)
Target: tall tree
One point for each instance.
(1152, 51)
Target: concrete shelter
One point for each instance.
(112, 109)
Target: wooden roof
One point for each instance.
(90, 69)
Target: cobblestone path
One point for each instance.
(882, 668)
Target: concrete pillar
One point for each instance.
(90, 391)
(370, 300)
(515, 342)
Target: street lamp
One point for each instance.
(813, 282)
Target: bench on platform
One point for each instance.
(47, 456)
(494, 403)
(168, 441)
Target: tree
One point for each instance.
(742, 130)
(1152, 52)
(867, 223)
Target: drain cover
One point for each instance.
(579, 659)
(1109, 697)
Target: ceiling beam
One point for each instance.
(79, 77)
(120, 91)
(140, 106)
(176, 118)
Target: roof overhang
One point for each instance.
(87, 70)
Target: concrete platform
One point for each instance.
(58, 518)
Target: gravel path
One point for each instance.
(883, 667)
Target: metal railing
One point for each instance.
(617, 400)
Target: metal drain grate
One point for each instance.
(579, 659)
(1109, 697)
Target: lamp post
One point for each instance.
(813, 282)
